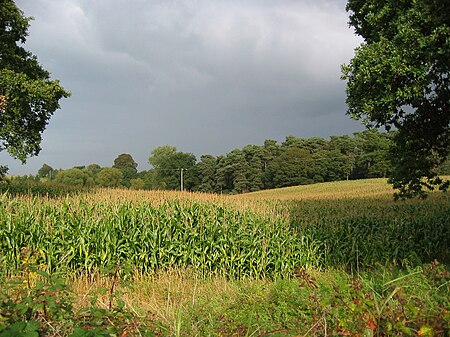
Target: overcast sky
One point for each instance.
(205, 76)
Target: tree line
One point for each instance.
(296, 161)
(398, 79)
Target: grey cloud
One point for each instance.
(205, 76)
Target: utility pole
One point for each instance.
(181, 178)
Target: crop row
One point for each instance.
(74, 234)
(151, 232)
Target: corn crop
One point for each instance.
(88, 233)
(241, 236)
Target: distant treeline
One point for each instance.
(296, 161)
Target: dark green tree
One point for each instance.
(399, 77)
(167, 164)
(271, 151)
(232, 173)
(444, 168)
(207, 170)
(147, 178)
(331, 165)
(255, 157)
(125, 163)
(372, 156)
(295, 166)
(125, 160)
(28, 97)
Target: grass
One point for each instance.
(319, 260)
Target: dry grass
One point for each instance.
(160, 297)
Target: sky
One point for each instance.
(205, 76)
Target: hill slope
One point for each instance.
(350, 189)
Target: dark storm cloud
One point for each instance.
(205, 76)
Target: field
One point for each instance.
(330, 259)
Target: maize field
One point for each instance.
(234, 236)
(79, 233)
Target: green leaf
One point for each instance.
(22, 329)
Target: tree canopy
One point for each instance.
(168, 167)
(399, 77)
(295, 161)
(28, 97)
(126, 164)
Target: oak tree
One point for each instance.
(399, 78)
(28, 97)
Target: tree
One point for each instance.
(399, 77)
(147, 178)
(167, 164)
(74, 176)
(125, 160)
(28, 97)
(125, 163)
(232, 173)
(45, 171)
(372, 159)
(207, 169)
(331, 165)
(109, 177)
(295, 166)
(271, 151)
(256, 157)
(94, 168)
(137, 184)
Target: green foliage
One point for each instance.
(295, 166)
(45, 171)
(94, 169)
(363, 233)
(38, 304)
(167, 164)
(284, 273)
(207, 169)
(137, 184)
(125, 160)
(138, 236)
(253, 168)
(34, 304)
(43, 189)
(28, 98)
(399, 78)
(3, 171)
(383, 302)
(109, 177)
(126, 164)
(232, 173)
(444, 168)
(75, 176)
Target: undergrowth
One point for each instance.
(382, 302)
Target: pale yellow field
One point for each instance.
(351, 189)
(332, 190)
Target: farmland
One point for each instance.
(323, 259)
